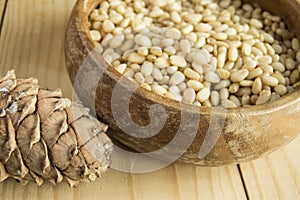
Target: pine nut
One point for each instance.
(95, 35)
(201, 57)
(294, 77)
(222, 84)
(203, 94)
(234, 88)
(108, 26)
(269, 80)
(121, 68)
(290, 64)
(223, 74)
(189, 95)
(159, 90)
(263, 97)
(278, 67)
(116, 41)
(233, 54)
(235, 100)
(246, 49)
(226, 103)
(215, 98)
(239, 50)
(136, 58)
(191, 74)
(257, 86)
(147, 68)
(177, 78)
(239, 75)
(254, 73)
(212, 77)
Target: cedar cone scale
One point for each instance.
(46, 137)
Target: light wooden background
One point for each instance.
(31, 42)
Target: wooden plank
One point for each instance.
(32, 43)
(209, 183)
(276, 176)
(2, 5)
(176, 182)
(182, 181)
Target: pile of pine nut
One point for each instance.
(200, 52)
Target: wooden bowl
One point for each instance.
(219, 137)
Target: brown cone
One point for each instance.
(46, 137)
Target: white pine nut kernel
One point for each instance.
(234, 88)
(139, 78)
(95, 35)
(226, 103)
(162, 62)
(263, 97)
(215, 98)
(108, 26)
(222, 84)
(281, 90)
(295, 44)
(178, 61)
(257, 86)
(116, 41)
(269, 80)
(250, 65)
(233, 54)
(223, 74)
(280, 78)
(185, 46)
(147, 68)
(203, 94)
(157, 75)
(220, 36)
(235, 100)
(294, 77)
(136, 58)
(201, 57)
(239, 75)
(159, 89)
(212, 77)
(278, 67)
(121, 68)
(192, 18)
(195, 85)
(177, 78)
(191, 74)
(143, 41)
(246, 49)
(290, 64)
(157, 51)
(189, 95)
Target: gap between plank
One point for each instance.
(243, 181)
(3, 16)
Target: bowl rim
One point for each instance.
(81, 12)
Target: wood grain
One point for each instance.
(2, 5)
(31, 42)
(278, 174)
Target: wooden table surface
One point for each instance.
(31, 42)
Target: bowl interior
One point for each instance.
(288, 10)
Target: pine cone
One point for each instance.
(44, 137)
